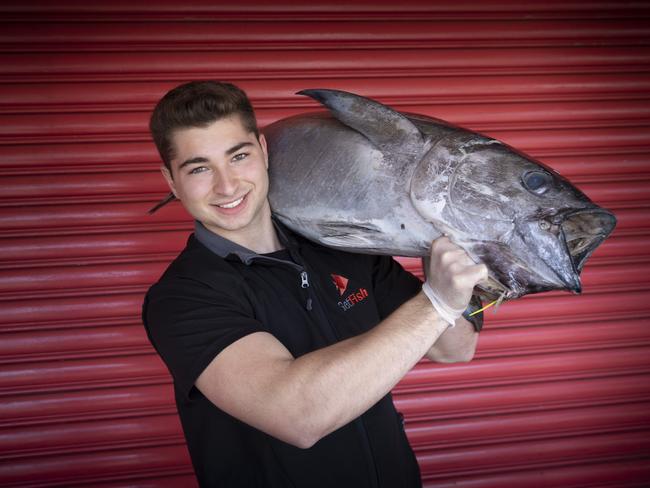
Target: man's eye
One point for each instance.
(240, 156)
(197, 170)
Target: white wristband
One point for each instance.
(448, 314)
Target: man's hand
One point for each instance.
(451, 278)
(453, 275)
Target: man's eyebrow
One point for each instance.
(197, 160)
(201, 159)
(237, 147)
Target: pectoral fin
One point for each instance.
(348, 234)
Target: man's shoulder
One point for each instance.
(195, 264)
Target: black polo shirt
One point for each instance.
(308, 297)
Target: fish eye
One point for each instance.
(537, 182)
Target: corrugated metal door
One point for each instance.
(558, 394)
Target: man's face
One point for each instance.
(219, 173)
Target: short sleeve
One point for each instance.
(393, 284)
(189, 324)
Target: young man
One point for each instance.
(276, 383)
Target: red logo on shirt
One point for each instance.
(353, 298)
(340, 282)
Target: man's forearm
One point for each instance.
(456, 344)
(340, 382)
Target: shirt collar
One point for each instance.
(225, 248)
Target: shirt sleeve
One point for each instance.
(393, 285)
(190, 323)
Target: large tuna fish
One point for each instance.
(363, 177)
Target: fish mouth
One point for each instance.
(557, 247)
(584, 231)
(563, 242)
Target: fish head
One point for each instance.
(530, 226)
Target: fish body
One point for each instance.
(363, 177)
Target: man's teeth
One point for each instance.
(231, 204)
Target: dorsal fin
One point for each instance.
(382, 125)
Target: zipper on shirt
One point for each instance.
(304, 277)
(304, 283)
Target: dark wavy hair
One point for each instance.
(197, 104)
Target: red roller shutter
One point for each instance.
(558, 395)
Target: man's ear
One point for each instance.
(169, 179)
(262, 140)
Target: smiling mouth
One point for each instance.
(232, 204)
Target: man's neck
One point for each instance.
(261, 238)
(262, 242)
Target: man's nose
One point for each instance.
(225, 183)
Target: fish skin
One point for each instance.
(363, 177)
